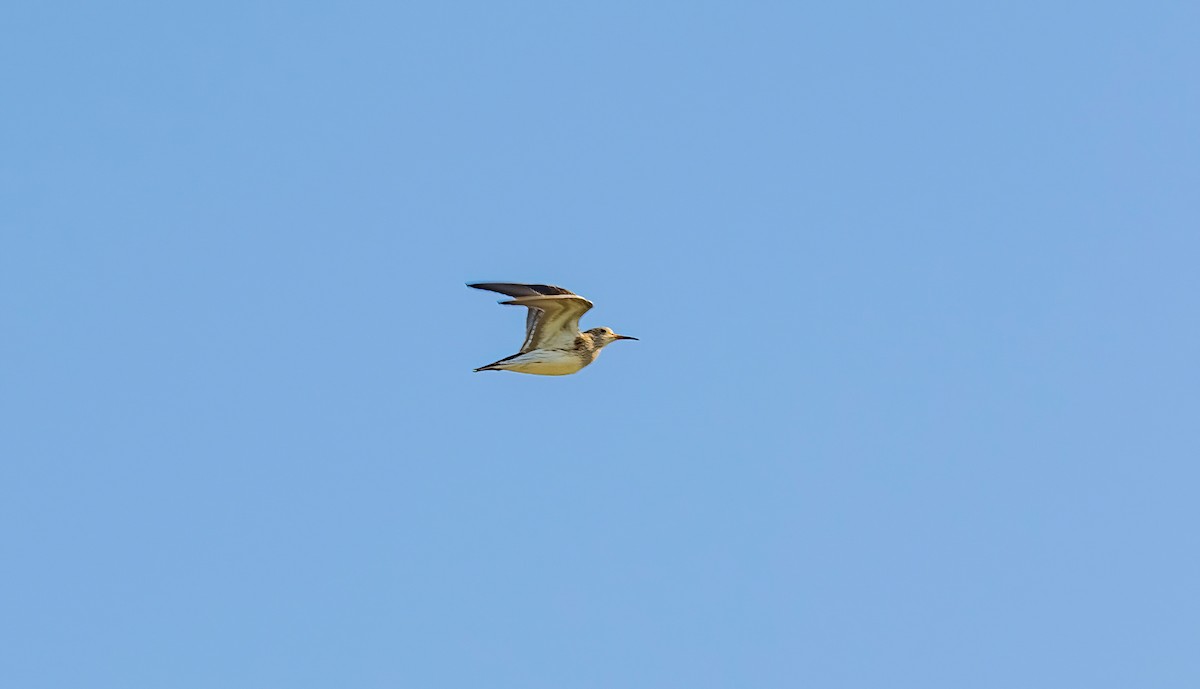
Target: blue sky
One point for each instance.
(915, 402)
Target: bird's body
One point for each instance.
(545, 362)
(553, 344)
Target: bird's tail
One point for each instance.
(494, 367)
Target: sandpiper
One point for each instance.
(553, 344)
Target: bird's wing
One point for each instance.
(514, 289)
(553, 318)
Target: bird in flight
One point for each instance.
(553, 344)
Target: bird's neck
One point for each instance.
(587, 342)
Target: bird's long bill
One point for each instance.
(624, 337)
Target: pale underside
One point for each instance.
(545, 362)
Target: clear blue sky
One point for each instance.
(916, 401)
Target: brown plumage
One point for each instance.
(553, 344)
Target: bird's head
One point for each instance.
(605, 336)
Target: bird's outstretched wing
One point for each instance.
(553, 318)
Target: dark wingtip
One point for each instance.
(519, 289)
(550, 289)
